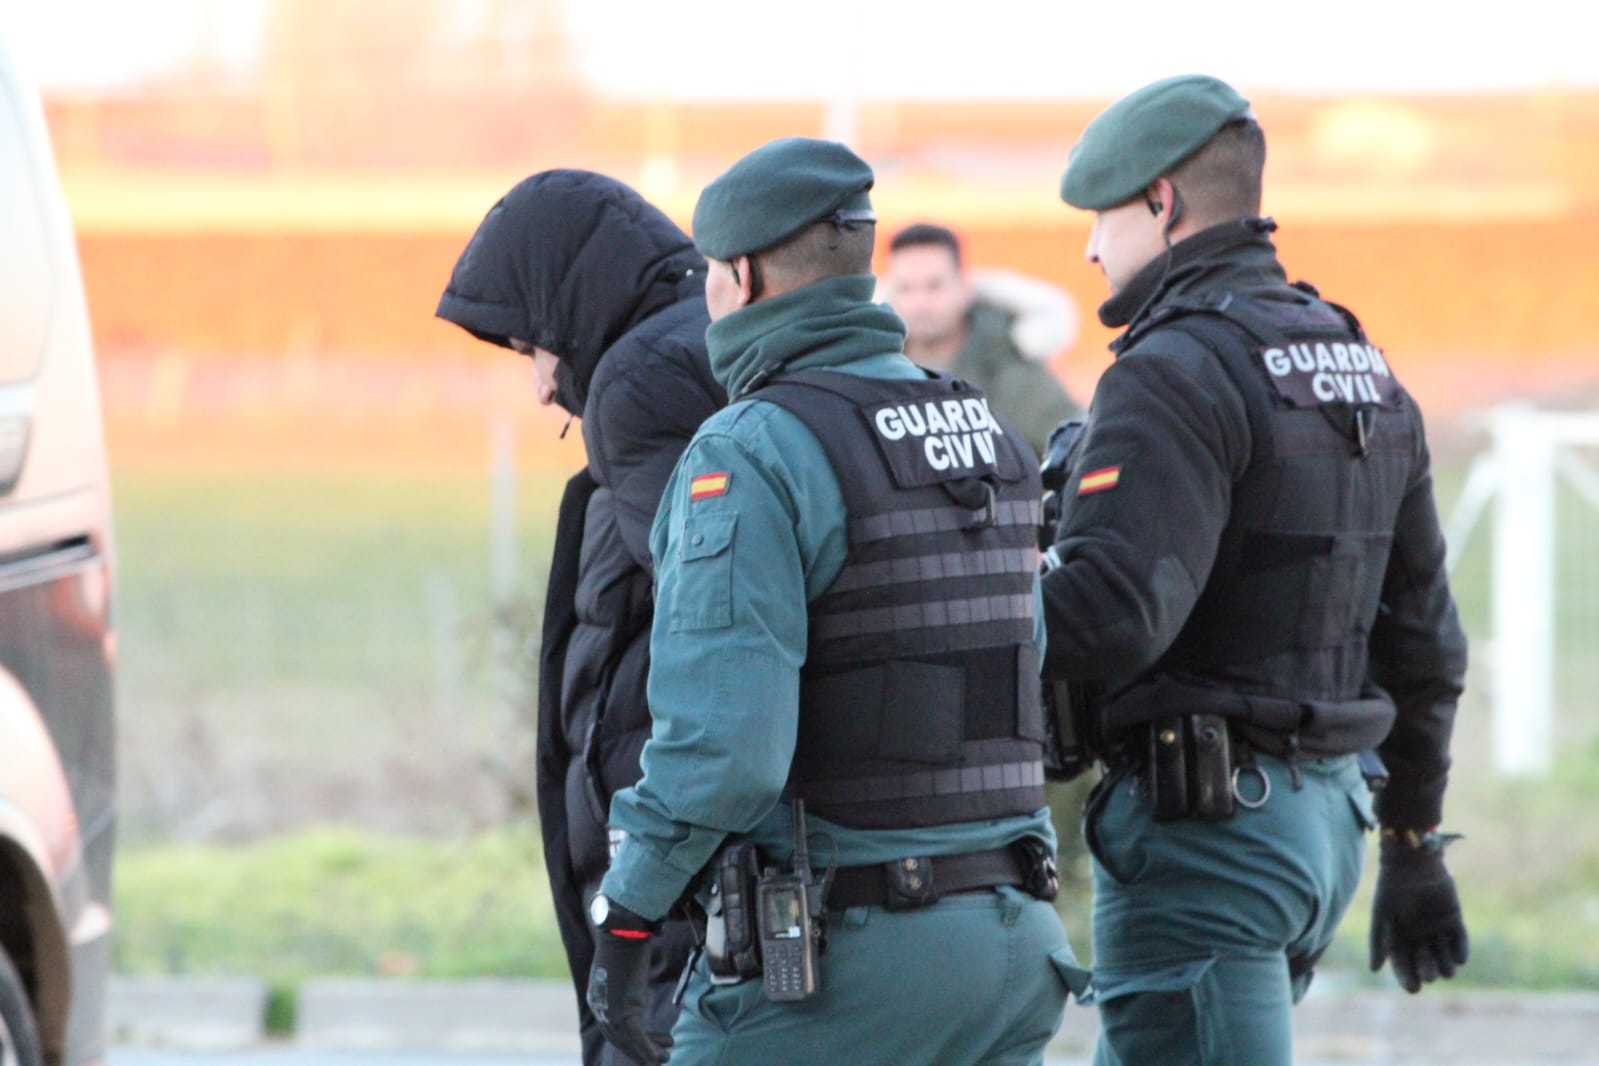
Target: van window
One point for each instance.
(26, 288)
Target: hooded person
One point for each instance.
(607, 295)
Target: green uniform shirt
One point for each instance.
(751, 529)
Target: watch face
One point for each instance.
(599, 909)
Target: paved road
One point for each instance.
(131, 1057)
(293, 1057)
(289, 1057)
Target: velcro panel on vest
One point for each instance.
(1316, 588)
(924, 717)
(1341, 572)
(930, 708)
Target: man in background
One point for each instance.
(994, 329)
(606, 295)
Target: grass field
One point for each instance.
(319, 646)
(314, 645)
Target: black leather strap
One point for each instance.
(920, 881)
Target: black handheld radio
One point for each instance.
(788, 914)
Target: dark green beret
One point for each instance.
(776, 191)
(1144, 135)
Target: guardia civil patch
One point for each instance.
(1314, 373)
(1106, 477)
(707, 485)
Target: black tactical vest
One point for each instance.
(919, 701)
(1298, 575)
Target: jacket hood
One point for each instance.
(570, 261)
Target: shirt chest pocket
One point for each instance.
(702, 596)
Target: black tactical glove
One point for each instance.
(619, 978)
(1415, 919)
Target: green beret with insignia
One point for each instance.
(1145, 135)
(778, 190)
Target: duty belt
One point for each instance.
(922, 880)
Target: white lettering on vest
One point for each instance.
(977, 414)
(889, 424)
(993, 423)
(957, 416)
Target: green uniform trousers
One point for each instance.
(976, 978)
(1195, 923)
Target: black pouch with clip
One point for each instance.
(1210, 767)
(1168, 770)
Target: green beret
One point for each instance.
(776, 191)
(1144, 135)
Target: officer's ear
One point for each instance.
(744, 276)
(1165, 203)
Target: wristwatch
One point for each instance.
(1418, 839)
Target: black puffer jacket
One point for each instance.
(581, 265)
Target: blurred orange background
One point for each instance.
(306, 222)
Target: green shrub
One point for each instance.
(337, 902)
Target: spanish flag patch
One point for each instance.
(706, 485)
(1099, 480)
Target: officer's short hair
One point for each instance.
(1222, 181)
(822, 250)
(926, 233)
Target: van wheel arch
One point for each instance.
(19, 1037)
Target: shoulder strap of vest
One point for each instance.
(817, 397)
(853, 387)
(1345, 313)
(1208, 322)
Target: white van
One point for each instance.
(57, 648)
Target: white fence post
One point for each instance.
(502, 511)
(1523, 593)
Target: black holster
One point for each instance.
(732, 949)
(1072, 741)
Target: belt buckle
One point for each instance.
(909, 884)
